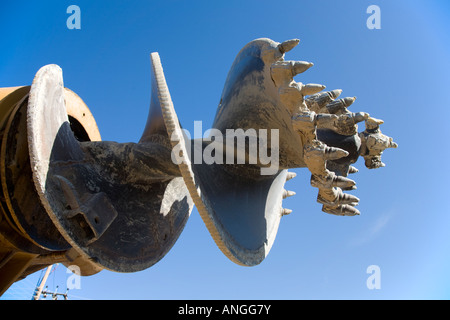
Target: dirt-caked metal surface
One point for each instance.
(105, 198)
(241, 202)
(68, 196)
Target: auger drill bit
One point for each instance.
(68, 197)
(315, 130)
(316, 112)
(342, 131)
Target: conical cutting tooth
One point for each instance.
(323, 98)
(345, 198)
(283, 71)
(349, 188)
(311, 88)
(350, 210)
(324, 120)
(285, 211)
(332, 153)
(335, 93)
(332, 180)
(335, 196)
(352, 169)
(328, 196)
(300, 67)
(288, 45)
(348, 101)
(320, 100)
(340, 104)
(288, 193)
(344, 183)
(360, 116)
(342, 210)
(330, 96)
(290, 175)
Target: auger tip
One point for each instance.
(288, 193)
(288, 45)
(335, 93)
(290, 175)
(352, 169)
(311, 88)
(285, 211)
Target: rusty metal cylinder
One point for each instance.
(29, 240)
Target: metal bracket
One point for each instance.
(94, 213)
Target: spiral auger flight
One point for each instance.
(68, 197)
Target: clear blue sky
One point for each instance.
(399, 73)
